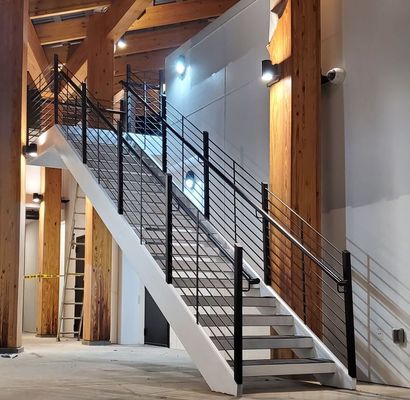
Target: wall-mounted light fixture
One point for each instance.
(190, 179)
(181, 65)
(30, 150)
(270, 72)
(122, 44)
(37, 198)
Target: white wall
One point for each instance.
(366, 188)
(30, 285)
(222, 92)
(131, 303)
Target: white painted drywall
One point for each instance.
(222, 92)
(131, 301)
(30, 285)
(366, 182)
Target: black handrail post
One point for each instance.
(348, 298)
(120, 168)
(164, 132)
(238, 318)
(126, 98)
(56, 88)
(168, 229)
(266, 235)
(84, 120)
(206, 174)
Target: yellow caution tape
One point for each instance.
(46, 276)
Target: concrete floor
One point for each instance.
(69, 370)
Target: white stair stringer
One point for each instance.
(340, 378)
(209, 361)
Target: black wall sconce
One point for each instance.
(37, 198)
(270, 72)
(30, 150)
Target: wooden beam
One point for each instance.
(185, 11)
(97, 278)
(49, 252)
(122, 14)
(155, 16)
(160, 39)
(295, 150)
(50, 8)
(152, 61)
(37, 60)
(13, 83)
(64, 52)
(64, 31)
(114, 23)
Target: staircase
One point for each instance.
(205, 252)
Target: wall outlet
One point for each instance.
(399, 336)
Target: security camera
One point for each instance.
(335, 76)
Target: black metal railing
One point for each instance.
(141, 153)
(310, 273)
(174, 232)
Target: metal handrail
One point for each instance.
(327, 269)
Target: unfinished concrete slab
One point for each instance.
(69, 370)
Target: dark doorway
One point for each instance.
(79, 281)
(156, 332)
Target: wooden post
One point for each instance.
(49, 252)
(97, 279)
(100, 61)
(98, 240)
(13, 83)
(295, 144)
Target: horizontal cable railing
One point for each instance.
(311, 274)
(198, 266)
(143, 154)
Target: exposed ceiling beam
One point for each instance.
(64, 52)
(189, 10)
(50, 8)
(116, 20)
(64, 31)
(164, 14)
(152, 61)
(160, 39)
(37, 60)
(122, 14)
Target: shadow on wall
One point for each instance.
(376, 314)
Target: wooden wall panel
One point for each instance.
(97, 279)
(13, 83)
(49, 252)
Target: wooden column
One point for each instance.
(295, 146)
(49, 252)
(98, 240)
(100, 61)
(13, 83)
(97, 279)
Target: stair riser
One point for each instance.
(254, 344)
(249, 320)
